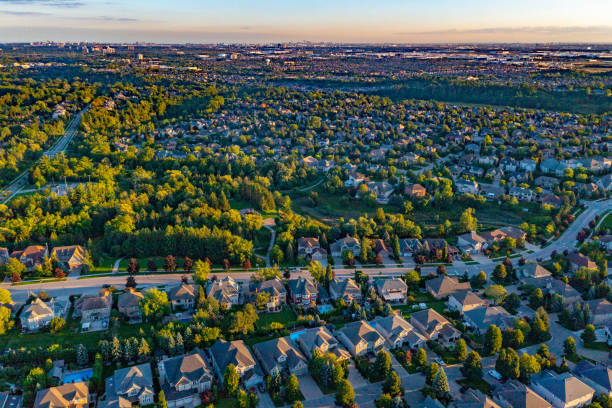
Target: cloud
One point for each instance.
(109, 18)
(23, 13)
(544, 30)
(50, 3)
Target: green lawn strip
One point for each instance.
(286, 317)
(598, 345)
(478, 384)
(225, 403)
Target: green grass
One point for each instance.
(286, 317)
(225, 403)
(598, 345)
(105, 264)
(70, 335)
(607, 222)
(479, 384)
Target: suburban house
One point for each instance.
(224, 353)
(381, 189)
(303, 292)
(281, 354)
(321, 339)
(534, 270)
(473, 399)
(562, 390)
(226, 291)
(466, 186)
(134, 384)
(128, 303)
(464, 301)
(184, 377)
(360, 338)
(70, 258)
(380, 247)
(183, 296)
(38, 314)
(346, 289)
(601, 311)
(482, 317)
(397, 331)
(552, 286)
(347, 243)
(410, 246)
(429, 402)
(310, 248)
(579, 261)
(415, 190)
(515, 394)
(275, 290)
(434, 326)
(597, 376)
(31, 256)
(392, 290)
(94, 307)
(471, 242)
(71, 395)
(444, 286)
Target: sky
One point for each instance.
(348, 21)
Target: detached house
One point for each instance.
(310, 249)
(466, 186)
(226, 291)
(321, 339)
(134, 384)
(184, 296)
(224, 353)
(360, 338)
(464, 301)
(36, 315)
(71, 395)
(392, 290)
(128, 303)
(31, 256)
(444, 286)
(346, 289)
(184, 377)
(434, 326)
(279, 354)
(562, 390)
(415, 190)
(579, 261)
(303, 292)
(398, 332)
(347, 243)
(482, 317)
(71, 258)
(275, 290)
(515, 394)
(471, 242)
(597, 376)
(410, 246)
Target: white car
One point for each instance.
(439, 361)
(495, 374)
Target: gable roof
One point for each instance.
(183, 291)
(191, 366)
(36, 309)
(61, 396)
(132, 378)
(485, 316)
(361, 330)
(390, 285)
(445, 285)
(468, 298)
(231, 352)
(564, 386)
(535, 270)
(518, 395)
(302, 286)
(271, 351)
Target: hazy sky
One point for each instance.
(402, 21)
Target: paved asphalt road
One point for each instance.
(79, 286)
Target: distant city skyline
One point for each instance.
(356, 21)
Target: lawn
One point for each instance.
(144, 263)
(103, 265)
(598, 345)
(70, 335)
(225, 403)
(286, 317)
(479, 384)
(607, 222)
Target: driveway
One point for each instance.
(264, 400)
(355, 377)
(309, 387)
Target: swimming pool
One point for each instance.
(78, 376)
(325, 308)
